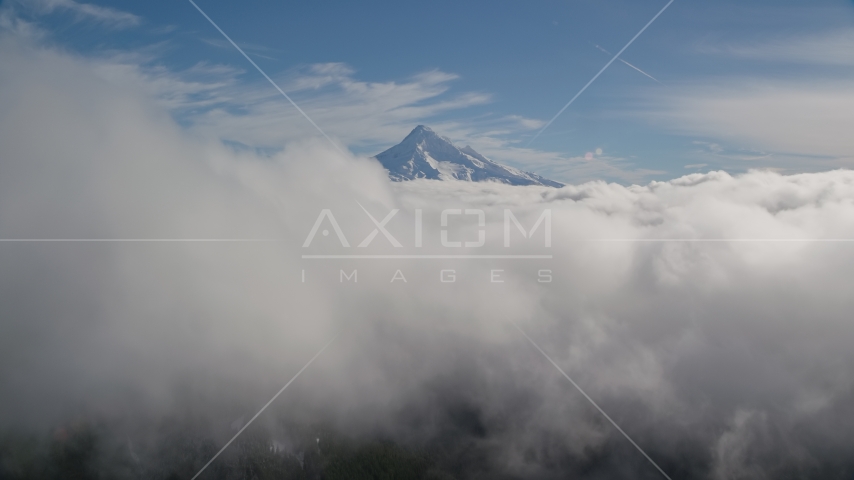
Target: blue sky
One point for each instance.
(740, 85)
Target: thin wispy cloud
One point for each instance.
(261, 51)
(211, 100)
(807, 119)
(107, 16)
(828, 48)
(359, 113)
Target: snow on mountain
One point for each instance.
(424, 154)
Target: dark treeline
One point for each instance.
(84, 451)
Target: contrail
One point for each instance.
(591, 401)
(629, 64)
(266, 76)
(262, 408)
(600, 71)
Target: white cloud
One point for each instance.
(830, 48)
(213, 100)
(806, 119)
(107, 16)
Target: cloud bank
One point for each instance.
(721, 359)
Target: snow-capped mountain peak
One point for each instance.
(425, 154)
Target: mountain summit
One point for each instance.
(424, 154)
